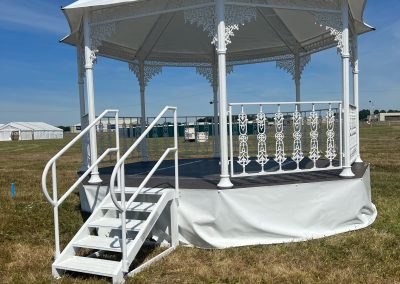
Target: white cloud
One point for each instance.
(32, 15)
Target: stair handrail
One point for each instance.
(56, 202)
(119, 172)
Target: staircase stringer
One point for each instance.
(69, 250)
(167, 197)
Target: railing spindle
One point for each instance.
(314, 151)
(297, 154)
(243, 158)
(330, 135)
(262, 155)
(280, 156)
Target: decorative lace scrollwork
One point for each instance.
(333, 23)
(353, 131)
(262, 155)
(150, 71)
(280, 156)
(314, 151)
(243, 158)
(207, 73)
(297, 154)
(330, 135)
(288, 64)
(235, 16)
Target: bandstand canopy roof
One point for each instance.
(176, 32)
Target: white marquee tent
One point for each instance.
(29, 131)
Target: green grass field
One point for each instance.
(371, 255)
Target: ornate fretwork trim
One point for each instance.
(235, 16)
(207, 73)
(81, 62)
(288, 63)
(293, 4)
(333, 23)
(143, 8)
(150, 71)
(353, 54)
(99, 33)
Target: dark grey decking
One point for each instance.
(203, 173)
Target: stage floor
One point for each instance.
(203, 173)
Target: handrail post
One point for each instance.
(123, 219)
(176, 153)
(55, 199)
(231, 140)
(341, 133)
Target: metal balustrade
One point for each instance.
(284, 137)
(56, 201)
(353, 140)
(118, 173)
(161, 134)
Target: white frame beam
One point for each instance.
(82, 108)
(225, 181)
(347, 172)
(89, 58)
(143, 123)
(356, 98)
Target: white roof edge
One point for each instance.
(38, 126)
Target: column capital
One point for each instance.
(221, 51)
(345, 55)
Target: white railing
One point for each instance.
(119, 173)
(353, 137)
(55, 201)
(312, 135)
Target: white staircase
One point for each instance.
(102, 233)
(109, 241)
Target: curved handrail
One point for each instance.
(130, 150)
(53, 160)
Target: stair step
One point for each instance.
(134, 207)
(100, 243)
(149, 191)
(89, 265)
(115, 223)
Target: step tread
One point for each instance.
(135, 206)
(100, 243)
(115, 223)
(149, 191)
(90, 265)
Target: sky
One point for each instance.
(38, 75)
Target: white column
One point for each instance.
(221, 51)
(215, 103)
(297, 75)
(143, 109)
(89, 57)
(81, 85)
(356, 92)
(347, 172)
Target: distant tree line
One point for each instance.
(364, 113)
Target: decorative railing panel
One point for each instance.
(201, 142)
(270, 138)
(353, 133)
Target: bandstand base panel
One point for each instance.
(274, 214)
(266, 214)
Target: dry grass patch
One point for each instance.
(370, 255)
